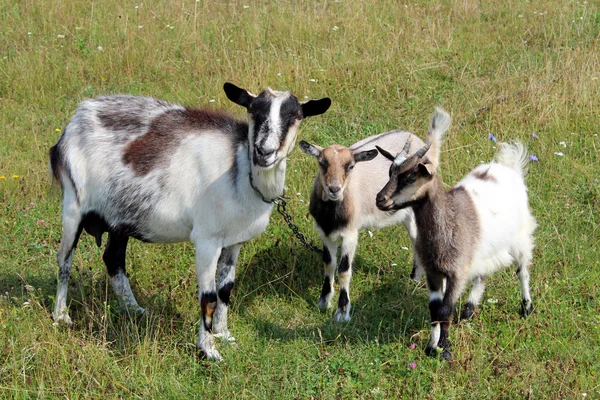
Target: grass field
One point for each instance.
(510, 69)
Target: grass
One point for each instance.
(506, 68)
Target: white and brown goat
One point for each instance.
(342, 204)
(481, 225)
(143, 168)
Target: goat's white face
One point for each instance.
(274, 119)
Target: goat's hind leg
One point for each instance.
(72, 227)
(226, 267)
(474, 297)
(523, 274)
(329, 263)
(114, 259)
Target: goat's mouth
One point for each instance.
(386, 205)
(265, 162)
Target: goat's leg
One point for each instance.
(523, 273)
(441, 312)
(474, 297)
(436, 296)
(329, 261)
(454, 287)
(207, 255)
(114, 259)
(226, 267)
(349, 243)
(410, 224)
(71, 219)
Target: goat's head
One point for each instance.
(409, 182)
(274, 118)
(335, 166)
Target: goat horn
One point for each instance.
(406, 148)
(422, 150)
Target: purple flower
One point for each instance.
(412, 346)
(533, 158)
(412, 365)
(534, 135)
(492, 137)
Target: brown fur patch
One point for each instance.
(484, 176)
(118, 121)
(166, 132)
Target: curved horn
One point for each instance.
(422, 150)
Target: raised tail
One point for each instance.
(440, 122)
(513, 155)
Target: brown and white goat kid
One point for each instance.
(143, 168)
(464, 234)
(342, 203)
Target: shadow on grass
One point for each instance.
(382, 313)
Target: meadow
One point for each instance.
(504, 70)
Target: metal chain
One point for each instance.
(281, 204)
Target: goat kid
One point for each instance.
(342, 204)
(143, 168)
(465, 234)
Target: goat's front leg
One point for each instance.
(226, 267)
(207, 255)
(441, 306)
(329, 261)
(349, 243)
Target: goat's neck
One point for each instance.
(270, 183)
(433, 213)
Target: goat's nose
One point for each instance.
(381, 198)
(264, 152)
(334, 188)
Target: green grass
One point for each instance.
(507, 68)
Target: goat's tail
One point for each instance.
(513, 155)
(440, 122)
(55, 161)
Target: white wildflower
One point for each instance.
(99, 48)
(211, 101)
(60, 36)
(370, 233)
(404, 248)
(559, 153)
(563, 144)
(335, 28)
(312, 80)
(492, 301)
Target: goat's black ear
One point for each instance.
(426, 169)
(315, 107)
(366, 155)
(238, 95)
(310, 149)
(386, 154)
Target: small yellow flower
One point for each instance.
(16, 176)
(2, 177)
(57, 129)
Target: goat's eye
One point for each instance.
(349, 167)
(410, 179)
(323, 164)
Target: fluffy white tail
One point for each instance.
(513, 155)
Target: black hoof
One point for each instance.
(431, 351)
(526, 308)
(445, 355)
(468, 311)
(413, 273)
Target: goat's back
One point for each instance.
(500, 198)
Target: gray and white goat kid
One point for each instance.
(158, 172)
(481, 225)
(342, 204)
